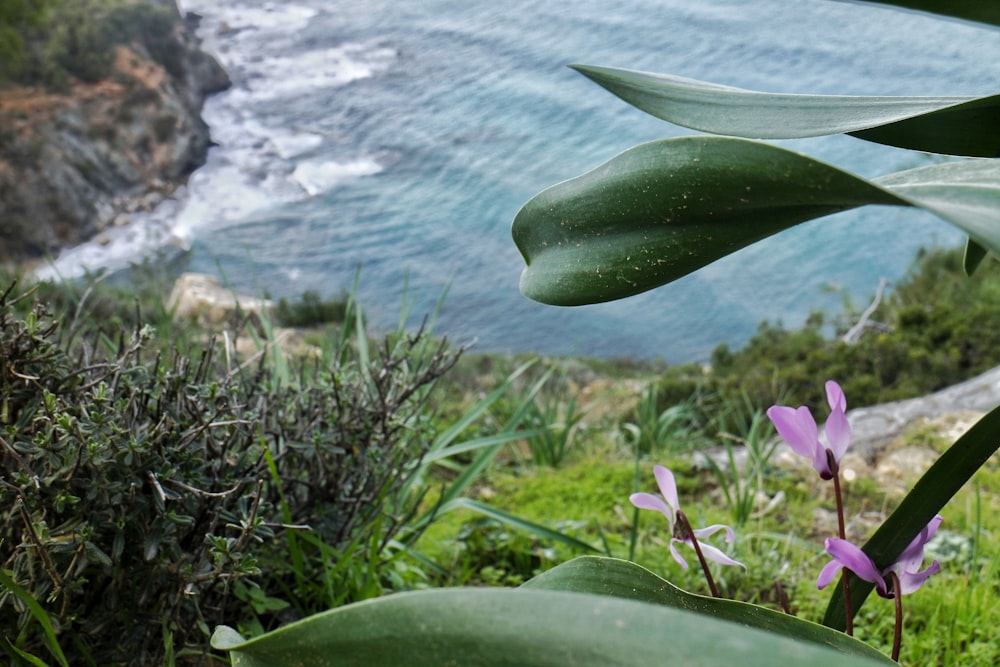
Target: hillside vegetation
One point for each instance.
(155, 485)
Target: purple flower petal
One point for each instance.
(708, 531)
(799, 430)
(838, 433)
(911, 581)
(677, 556)
(647, 501)
(828, 574)
(797, 427)
(913, 556)
(665, 480)
(857, 561)
(714, 554)
(835, 397)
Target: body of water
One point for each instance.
(402, 137)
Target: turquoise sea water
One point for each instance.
(402, 137)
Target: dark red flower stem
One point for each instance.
(897, 634)
(782, 596)
(687, 532)
(831, 461)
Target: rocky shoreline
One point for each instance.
(74, 163)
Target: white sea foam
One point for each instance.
(291, 143)
(316, 176)
(279, 76)
(246, 22)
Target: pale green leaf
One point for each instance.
(951, 125)
(489, 627)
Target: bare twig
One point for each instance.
(853, 334)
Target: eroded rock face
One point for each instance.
(71, 164)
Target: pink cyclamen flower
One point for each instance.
(907, 566)
(798, 428)
(669, 506)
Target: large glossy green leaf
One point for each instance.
(929, 495)
(666, 208)
(489, 627)
(980, 11)
(624, 579)
(951, 125)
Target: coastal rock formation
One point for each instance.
(73, 163)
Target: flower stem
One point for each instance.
(782, 596)
(685, 525)
(897, 634)
(835, 470)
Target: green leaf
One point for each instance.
(965, 193)
(951, 125)
(518, 523)
(480, 443)
(490, 627)
(664, 209)
(9, 648)
(51, 640)
(620, 578)
(927, 497)
(980, 11)
(974, 256)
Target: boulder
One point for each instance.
(237, 320)
(200, 298)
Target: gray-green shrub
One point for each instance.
(145, 489)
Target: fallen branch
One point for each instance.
(853, 334)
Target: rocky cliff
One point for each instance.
(75, 162)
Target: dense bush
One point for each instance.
(16, 18)
(311, 309)
(78, 38)
(937, 327)
(152, 492)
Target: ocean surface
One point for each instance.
(399, 139)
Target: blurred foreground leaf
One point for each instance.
(624, 579)
(525, 628)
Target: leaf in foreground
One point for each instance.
(664, 209)
(491, 627)
(624, 579)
